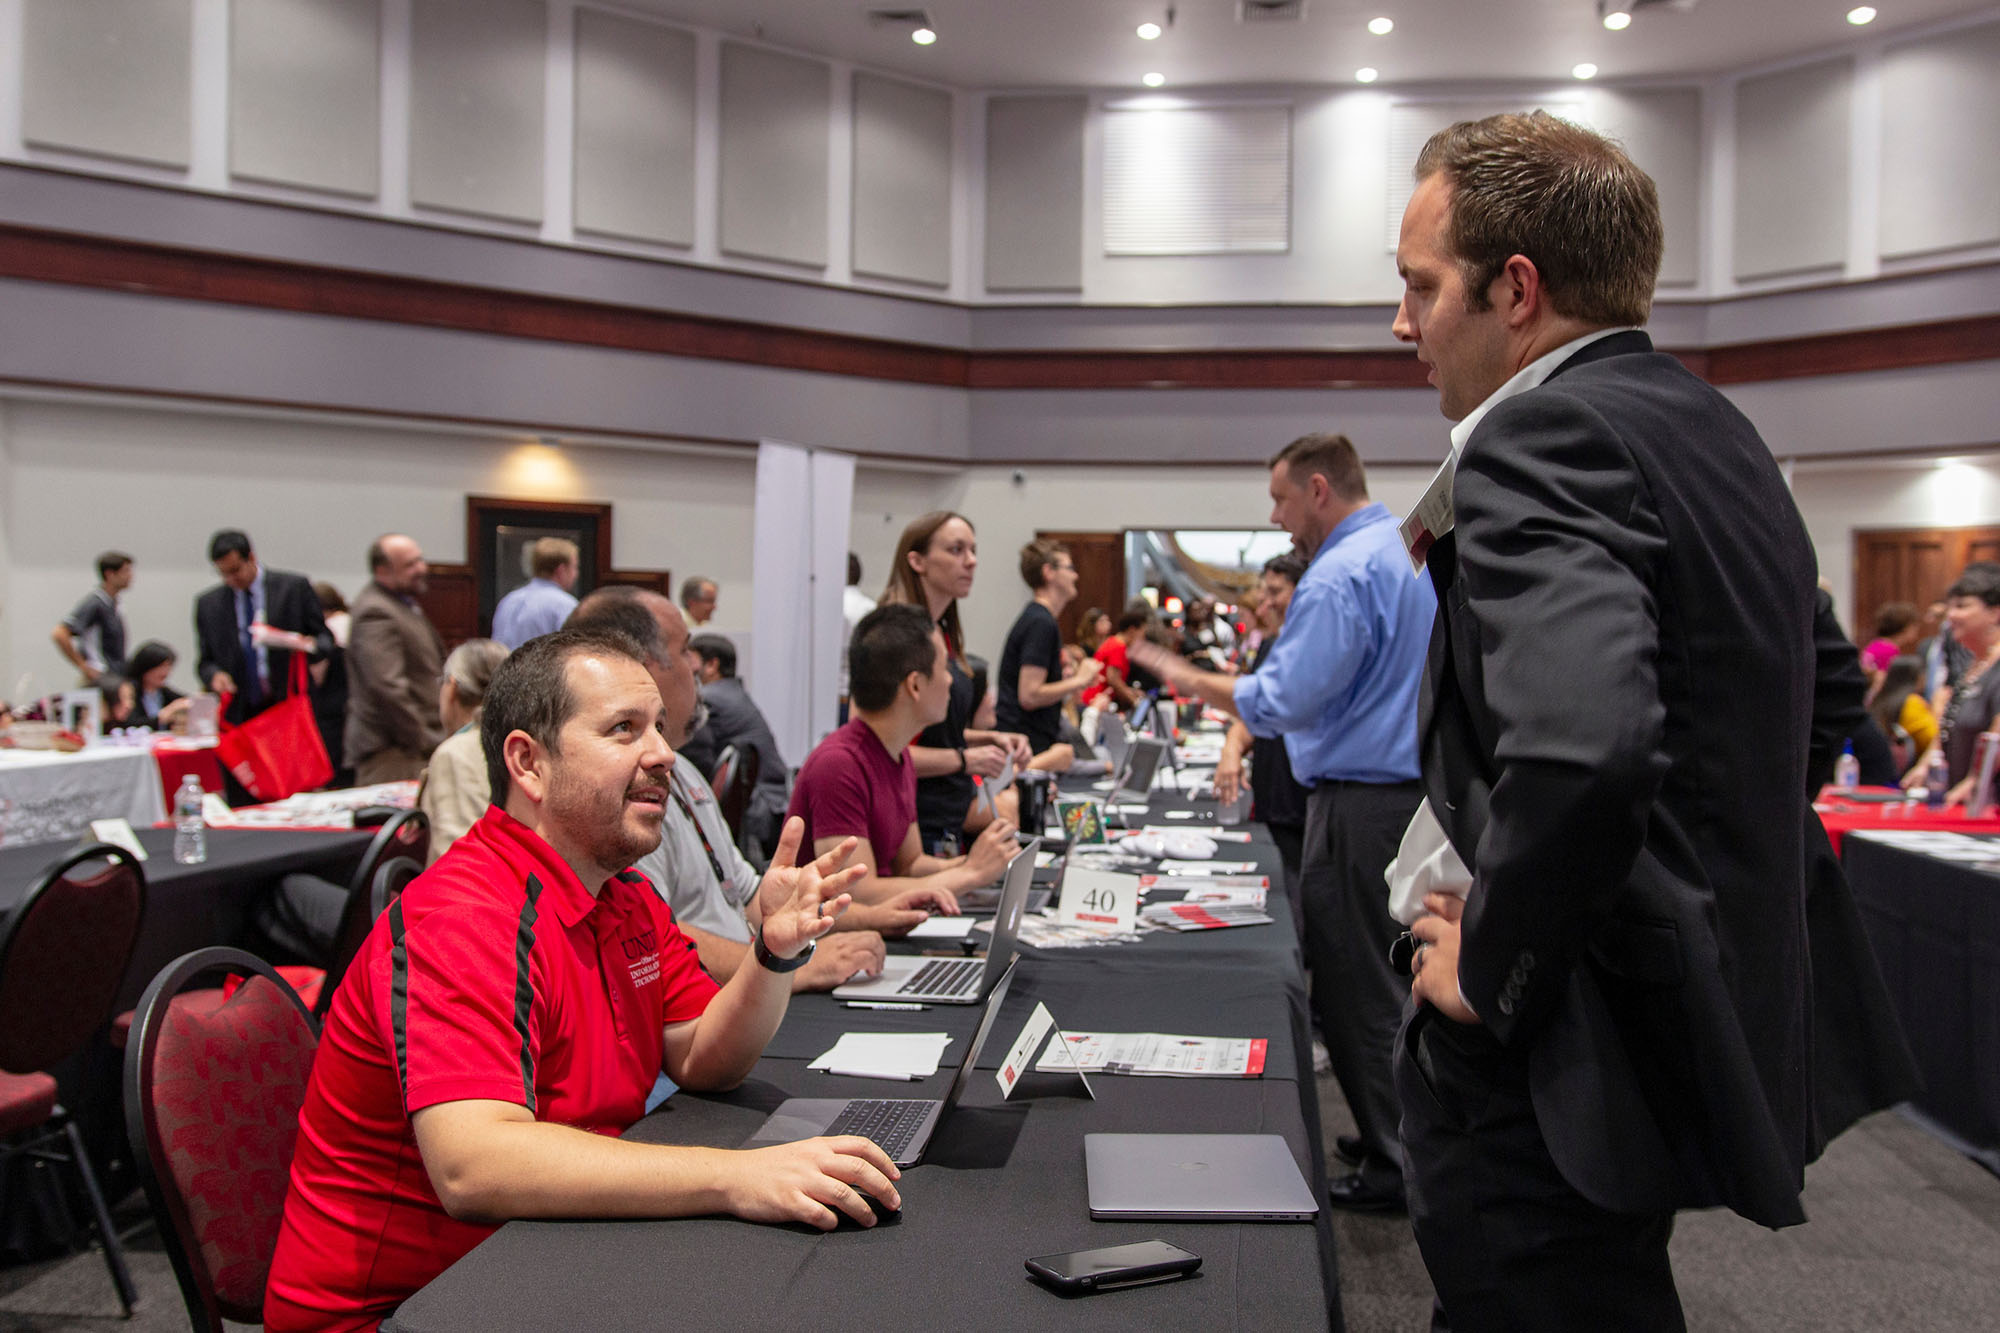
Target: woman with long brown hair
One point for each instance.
(933, 567)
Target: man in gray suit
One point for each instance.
(394, 662)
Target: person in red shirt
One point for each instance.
(511, 1011)
(861, 783)
(1115, 654)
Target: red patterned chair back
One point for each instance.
(212, 1098)
(63, 956)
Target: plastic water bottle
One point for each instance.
(1937, 779)
(1847, 769)
(190, 830)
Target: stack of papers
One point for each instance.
(904, 1056)
(1198, 916)
(1159, 1054)
(1042, 932)
(942, 928)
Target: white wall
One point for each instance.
(1838, 499)
(78, 479)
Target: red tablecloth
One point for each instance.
(177, 762)
(1841, 817)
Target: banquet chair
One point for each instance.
(212, 1098)
(393, 859)
(735, 778)
(63, 955)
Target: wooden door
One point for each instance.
(1100, 575)
(1912, 565)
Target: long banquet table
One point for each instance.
(1002, 1181)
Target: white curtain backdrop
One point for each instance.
(805, 500)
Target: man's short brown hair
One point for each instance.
(1332, 457)
(1036, 556)
(530, 692)
(1565, 197)
(550, 554)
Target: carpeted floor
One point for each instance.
(1905, 1235)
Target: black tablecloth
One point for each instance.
(1935, 926)
(1000, 1183)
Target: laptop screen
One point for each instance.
(1141, 762)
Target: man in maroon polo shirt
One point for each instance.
(510, 1012)
(860, 782)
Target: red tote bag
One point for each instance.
(279, 751)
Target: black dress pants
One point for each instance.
(1352, 832)
(1509, 1244)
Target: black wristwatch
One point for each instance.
(770, 962)
(961, 757)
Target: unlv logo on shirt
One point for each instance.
(642, 955)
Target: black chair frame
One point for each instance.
(142, 1127)
(367, 894)
(40, 1142)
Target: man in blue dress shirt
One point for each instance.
(540, 605)
(1341, 687)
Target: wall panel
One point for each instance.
(902, 181)
(1034, 193)
(1941, 142)
(774, 155)
(1661, 129)
(305, 93)
(635, 113)
(476, 79)
(109, 77)
(1792, 135)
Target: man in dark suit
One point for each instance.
(733, 718)
(234, 656)
(395, 661)
(1617, 1019)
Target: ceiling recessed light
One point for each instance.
(1153, 80)
(1861, 15)
(1148, 31)
(923, 36)
(1584, 71)
(1618, 20)
(1381, 27)
(1367, 74)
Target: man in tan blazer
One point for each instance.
(394, 662)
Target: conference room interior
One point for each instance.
(729, 290)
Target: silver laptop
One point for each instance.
(1111, 736)
(1134, 777)
(900, 1126)
(1195, 1178)
(957, 980)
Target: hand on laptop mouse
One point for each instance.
(814, 1181)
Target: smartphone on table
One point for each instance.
(1083, 1271)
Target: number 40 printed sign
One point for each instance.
(1100, 899)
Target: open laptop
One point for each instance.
(1111, 737)
(1134, 776)
(900, 1126)
(957, 980)
(1195, 1178)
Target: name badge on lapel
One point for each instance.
(1432, 518)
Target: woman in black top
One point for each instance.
(154, 704)
(934, 564)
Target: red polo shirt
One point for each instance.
(496, 976)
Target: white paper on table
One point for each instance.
(893, 1055)
(1043, 860)
(1158, 1053)
(942, 928)
(1213, 834)
(1173, 867)
(118, 832)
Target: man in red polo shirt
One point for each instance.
(511, 1011)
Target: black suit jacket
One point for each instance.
(289, 603)
(1614, 735)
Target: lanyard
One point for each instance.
(714, 862)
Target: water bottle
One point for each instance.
(1936, 780)
(1847, 770)
(190, 831)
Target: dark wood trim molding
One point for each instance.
(41, 255)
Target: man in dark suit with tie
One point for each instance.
(231, 658)
(1616, 1019)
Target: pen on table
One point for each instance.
(882, 1004)
(875, 1073)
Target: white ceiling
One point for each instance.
(1018, 44)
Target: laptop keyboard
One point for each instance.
(944, 976)
(890, 1122)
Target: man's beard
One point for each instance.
(601, 825)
